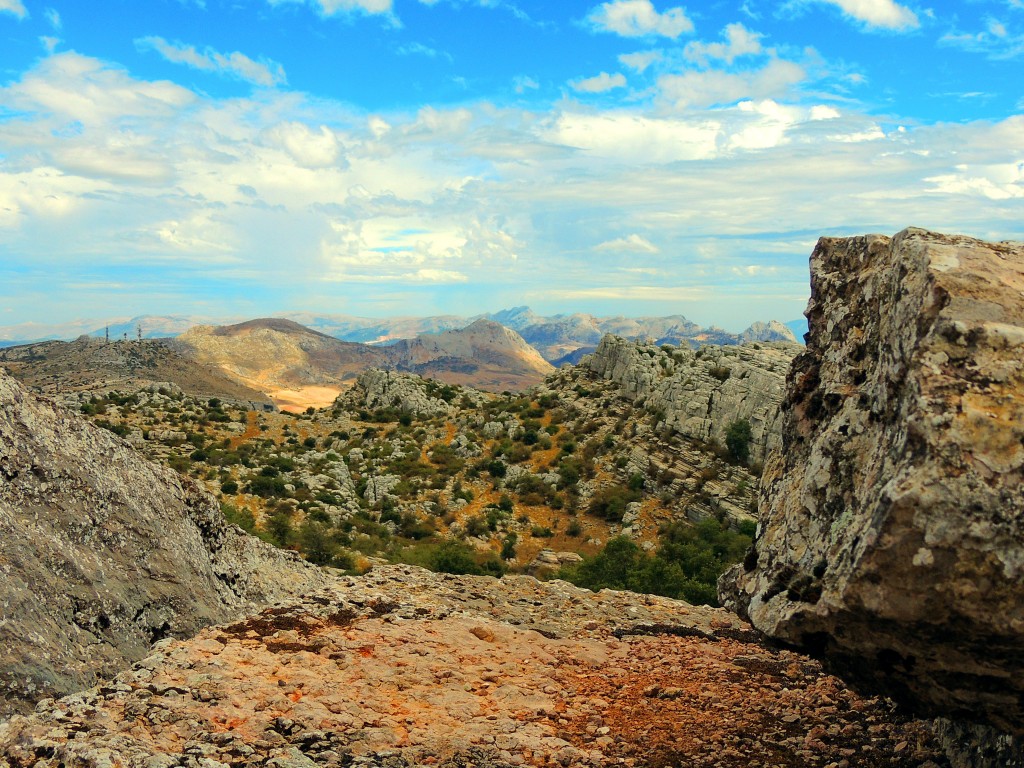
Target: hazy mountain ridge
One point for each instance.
(297, 365)
(554, 336)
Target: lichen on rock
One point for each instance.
(893, 517)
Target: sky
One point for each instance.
(411, 157)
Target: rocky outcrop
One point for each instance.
(699, 394)
(102, 552)
(377, 388)
(773, 330)
(402, 667)
(893, 516)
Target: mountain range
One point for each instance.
(553, 336)
(299, 366)
(302, 364)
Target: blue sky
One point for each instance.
(378, 157)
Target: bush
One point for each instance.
(687, 566)
(243, 518)
(610, 502)
(476, 526)
(455, 557)
(737, 441)
(508, 546)
(720, 372)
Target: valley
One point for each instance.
(404, 469)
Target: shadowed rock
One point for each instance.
(103, 552)
(893, 516)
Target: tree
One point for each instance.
(737, 441)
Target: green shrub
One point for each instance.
(687, 565)
(610, 502)
(243, 518)
(738, 437)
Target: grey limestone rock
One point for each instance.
(387, 389)
(699, 394)
(103, 552)
(379, 487)
(893, 516)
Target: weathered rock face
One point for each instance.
(102, 552)
(701, 393)
(377, 388)
(893, 516)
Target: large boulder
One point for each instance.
(103, 552)
(892, 536)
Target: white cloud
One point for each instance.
(639, 18)
(53, 17)
(630, 244)
(332, 7)
(995, 41)
(418, 49)
(824, 112)
(309, 148)
(630, 137)
(13, 6)
(265, 73)
(640, 60)
(708, 87)
(739, 41)
(634, 293)
(104, 168)
(600, 83)
(72, 88)
(885, 14)
(523, 83)
(50, 43)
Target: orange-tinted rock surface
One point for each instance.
(404, 667)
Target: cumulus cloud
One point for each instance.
(739, 41)
(639, 18)
(640, 60)
(884, 14)
(629, 244)
(704, 88)
(101, 168)
(265, 73)
(600, 83)
(13, 6)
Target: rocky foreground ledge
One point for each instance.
(404, 667)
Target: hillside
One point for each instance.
(400, 467)
(91, 365)
(484, 355)
(103, 552)
(297, 367)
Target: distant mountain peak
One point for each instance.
(773, 330)
(267, 323)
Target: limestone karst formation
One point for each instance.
(892, 537)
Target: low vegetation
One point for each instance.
(481, 490)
